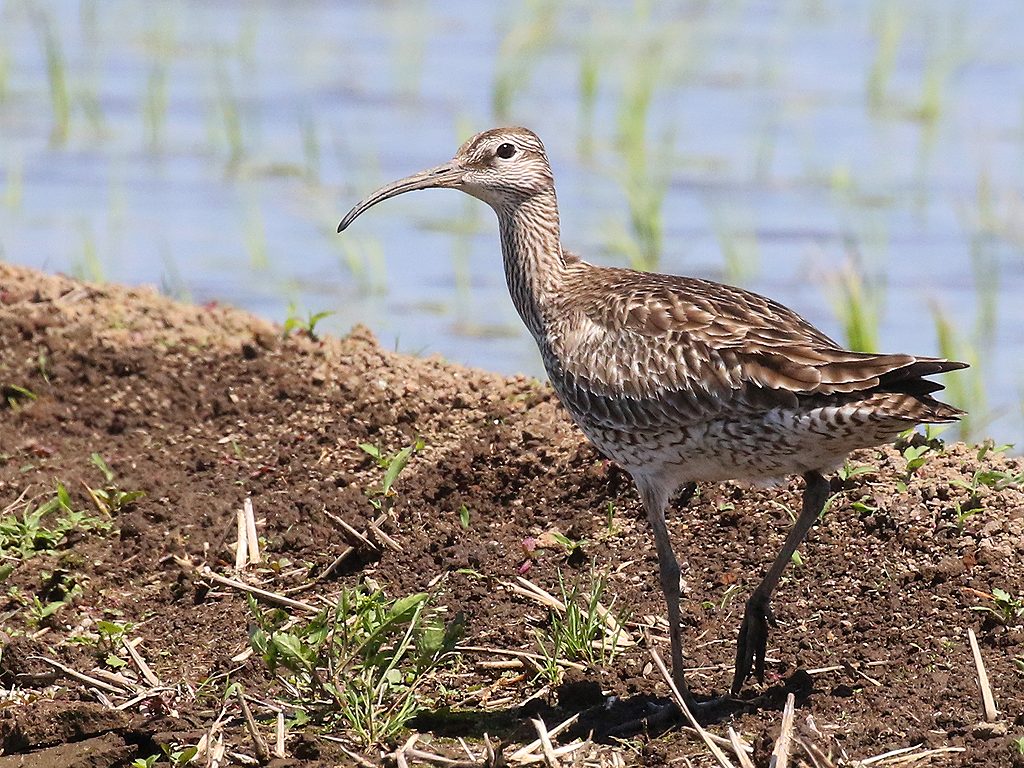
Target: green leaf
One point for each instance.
(371, 449)
(115, 662)
(102, 465)
(431, 640)
(298, 719)
(127, 497)
(454, 631)
(260, 641)
(915, 456)
(396, 465)
(63, 497)
(22, 391)
(314, 319)
(45, 610)
(404, 607)
(290, 648)
(109, 628)
(402, 611)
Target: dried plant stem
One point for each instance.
(270, 597)
(535, 657)
(242, 544)
(252, 538)
(546, 746)
(258, 742)
(715, 750)
(780, 754)
(740, 748)
(83, 678)
(140, 662)
(988, 702)
(527, 588)
(519, 754)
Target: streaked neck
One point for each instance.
(532, 253)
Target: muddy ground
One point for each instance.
(201, 407)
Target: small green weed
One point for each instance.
(112, 632)
(729, 595)
(996, 479)
(963, 512)
(44, 527)
(1007, 609)
(464, 516)
(864, 507)
(110, 499)
(110, 637)
(982, 478)
(916, 449)
(16, 395)
(361, 662)
(383, 497)
(308, 326)
(569, 545)
(57, 591)
(581, 633)
(179, 755)
(916, 457)
(850, 471)
(985, 447)
(993, 479)
(610, 528)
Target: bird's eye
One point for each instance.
(505, 151)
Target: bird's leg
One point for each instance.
(655, 501)
(753, 640)
(655, 497)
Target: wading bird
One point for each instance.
(680, 380)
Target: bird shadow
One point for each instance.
(604, 719)
(643, 714)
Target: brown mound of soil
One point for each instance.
(201, 407)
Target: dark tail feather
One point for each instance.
(909, 380)
(938, 412)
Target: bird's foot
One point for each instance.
(753, 640)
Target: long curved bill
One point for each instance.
(448, 175)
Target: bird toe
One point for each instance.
(752, 645)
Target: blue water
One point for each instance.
(761, 120)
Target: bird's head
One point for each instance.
(502, 166)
